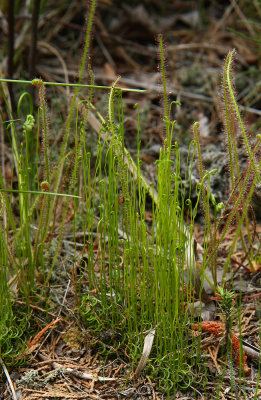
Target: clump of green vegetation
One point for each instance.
(131, 279)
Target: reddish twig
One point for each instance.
(218, 329)
(35, 341)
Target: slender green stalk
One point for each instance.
(163, 75)
(45, 143)
(36, 82)
(39, 192)
(209, 237)
(231, 110)
(243, 131)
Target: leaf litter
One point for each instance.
(63, 368)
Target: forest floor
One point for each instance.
(197, 39)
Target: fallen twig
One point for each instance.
(34, 343)
(76, 372)
(9, 380)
